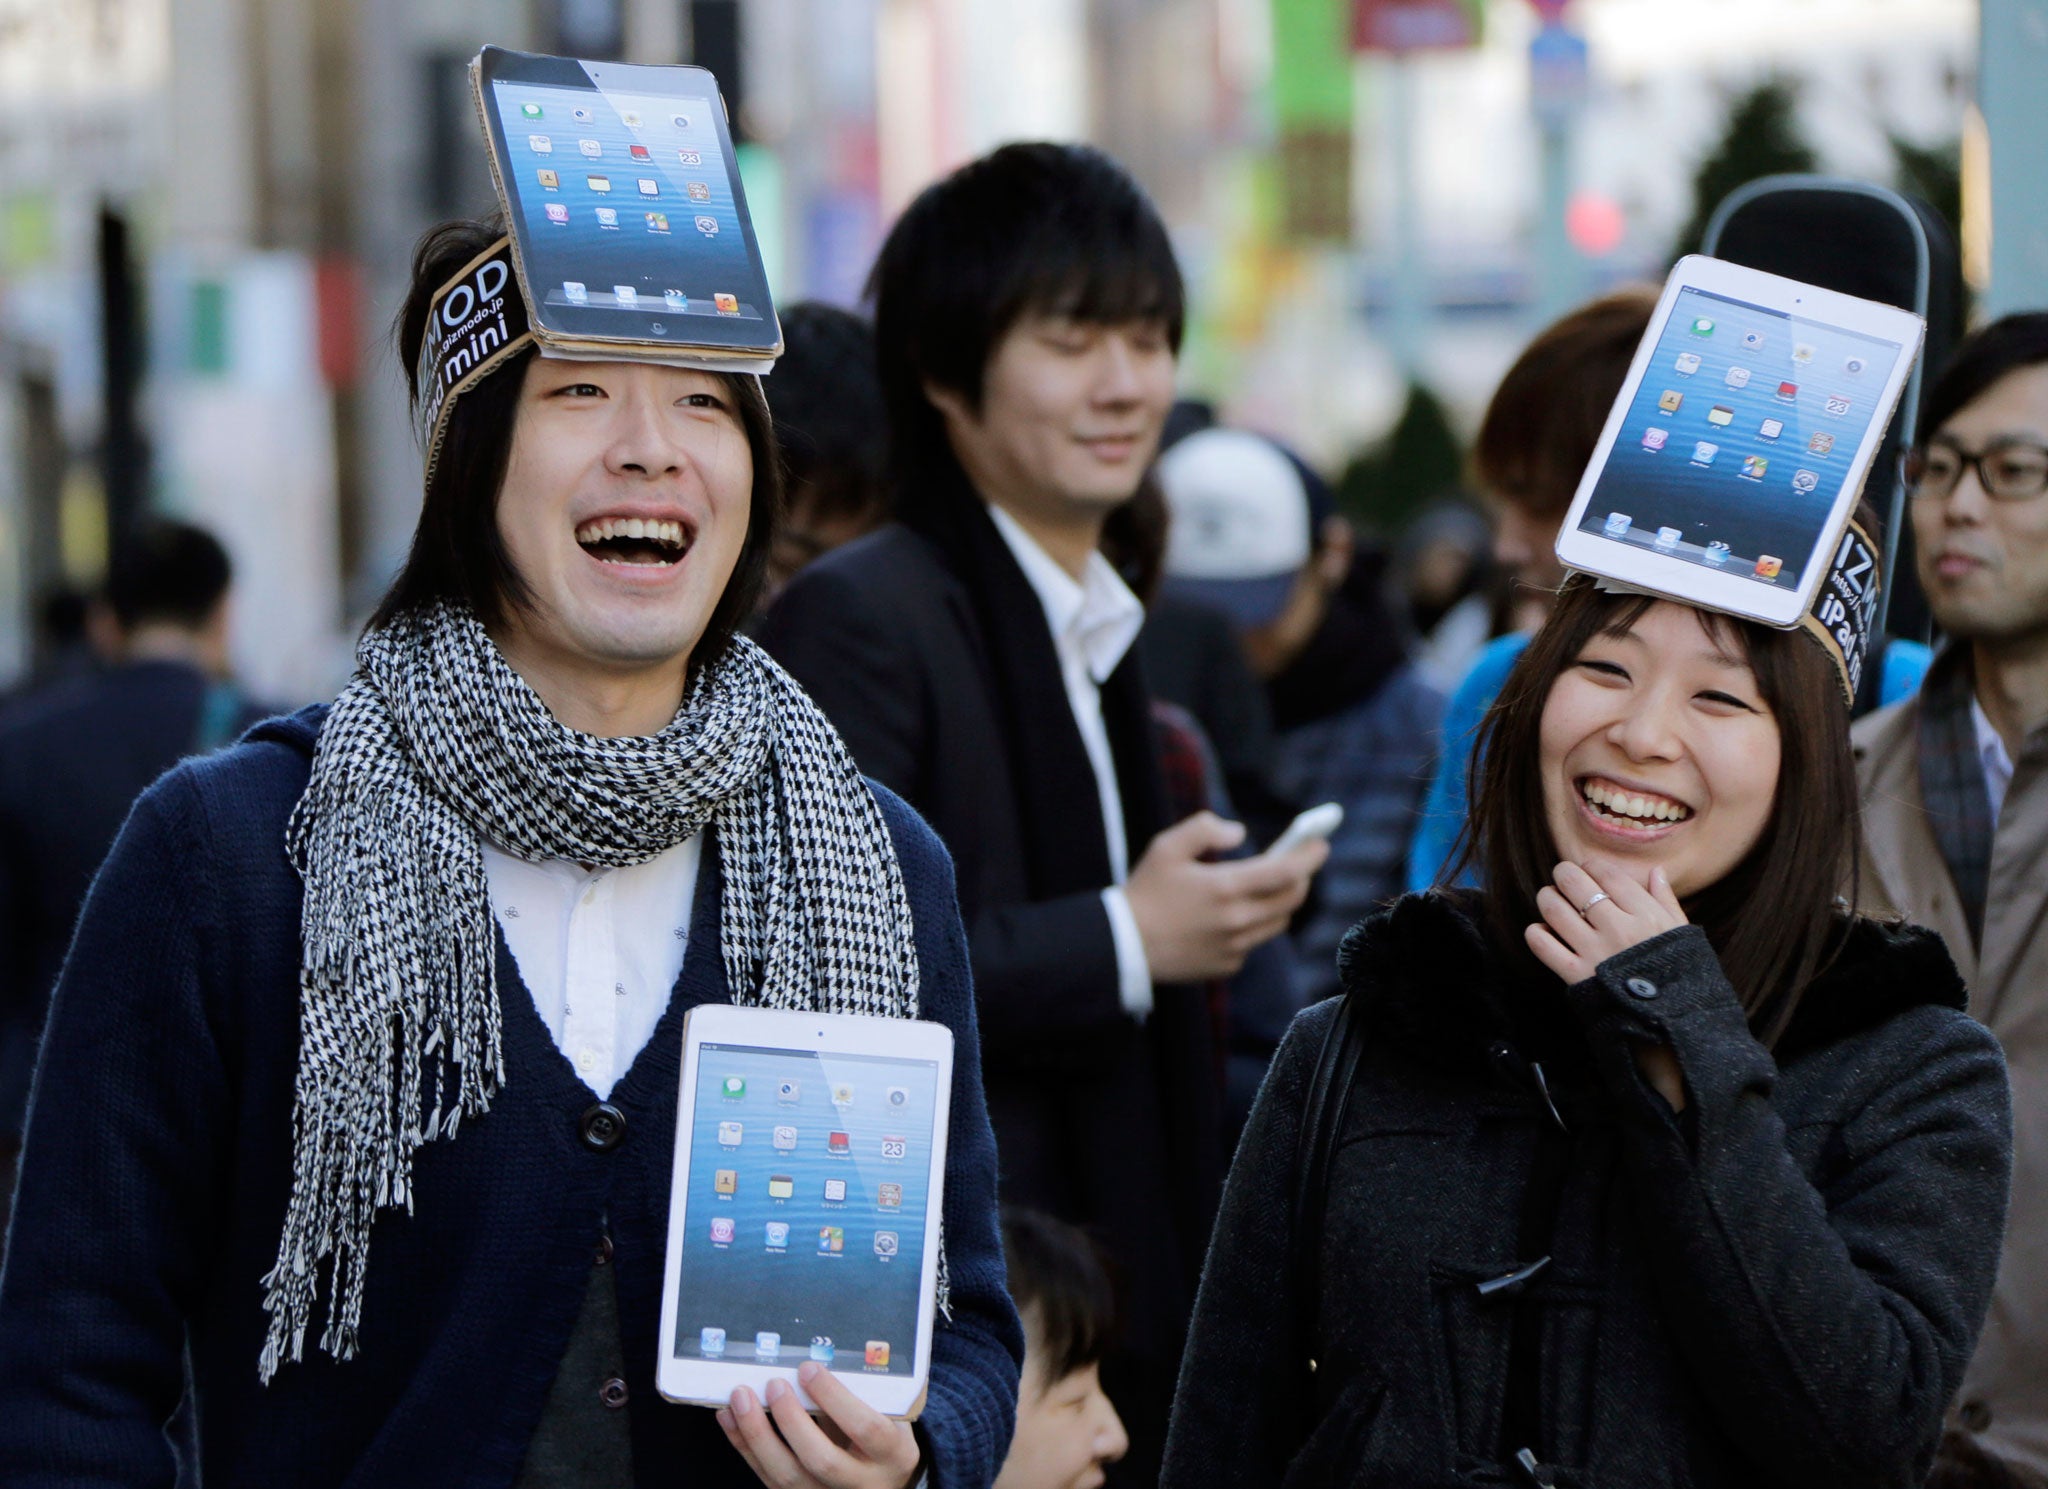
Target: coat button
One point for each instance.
(613, 1393)
(1642, 987)
(602, 1127)
(1975, 1415)
(604, 1249)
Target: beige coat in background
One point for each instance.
(2004, 1400)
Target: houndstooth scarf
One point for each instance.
(437, 743)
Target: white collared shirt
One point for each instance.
(1992, 755)
(598, 949)
(1093, 623)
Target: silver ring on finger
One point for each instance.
(1598, 896)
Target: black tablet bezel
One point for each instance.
(740, 337)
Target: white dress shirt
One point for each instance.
(1093, 623)
(598, 949)
(1992, 755)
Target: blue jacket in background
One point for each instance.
(1443, 813)
(158, 1163)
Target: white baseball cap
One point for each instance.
(1241, 527)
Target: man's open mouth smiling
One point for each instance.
(638, 541)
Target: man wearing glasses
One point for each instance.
(1955, 810)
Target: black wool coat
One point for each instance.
(1779, 1285)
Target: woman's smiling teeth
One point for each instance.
(1630, 806)
(634, 540)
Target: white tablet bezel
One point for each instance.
(1594, 553)
(711, 1382)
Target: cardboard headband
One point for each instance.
(1844, 609)
(698, 299)
(1843, 613)
(475, 323)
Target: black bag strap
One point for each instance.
(1322, 1121)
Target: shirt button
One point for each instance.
(613, 1393)
(1975, 1415)
(604, 1250)
(586, 1060)
(602, 1127)
(1642, 987)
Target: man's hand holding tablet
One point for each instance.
(849, 1445)
(803, 1236)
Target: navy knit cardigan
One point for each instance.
(158, 1162)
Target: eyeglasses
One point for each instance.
(2008, 470)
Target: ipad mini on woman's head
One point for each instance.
(804, 1216)
(1739, 445)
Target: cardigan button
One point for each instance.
(602, 1127)
(604, 1249)
(1642, 987)
(1975, 1415)
(613, 1393)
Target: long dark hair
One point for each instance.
(457, 551)
(1776, 919)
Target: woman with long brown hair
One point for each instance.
(1648, 1165)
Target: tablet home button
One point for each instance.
(603, 1126)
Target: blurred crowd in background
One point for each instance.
(206, 209)
(1420, 244)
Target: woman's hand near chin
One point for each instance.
(1599, 910)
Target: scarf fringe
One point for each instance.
(435, 744)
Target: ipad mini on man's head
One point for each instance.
(804, 1215)
(628, 215)
(1738, 447)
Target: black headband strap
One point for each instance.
(1845, 608)
(475, 322)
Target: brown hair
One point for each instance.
(1546, 416)
(1775, 919)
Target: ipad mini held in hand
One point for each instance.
(1734, 456)
(804, 1213)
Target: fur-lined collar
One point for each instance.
(1432, 979)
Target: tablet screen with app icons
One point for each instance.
(631, 220)
(808, 1200)
(1741, 440)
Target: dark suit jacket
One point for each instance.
(1100, 1119)
(73, 758)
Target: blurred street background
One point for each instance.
(207, 208)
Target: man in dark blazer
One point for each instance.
(976, 655)
(74, 756)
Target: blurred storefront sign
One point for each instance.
(842, 228)
(2013, 58)
(1567, 231)
(247, 348)
(1312, 105)
(1557, 74)
(1411, 25)
(1315, 172)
